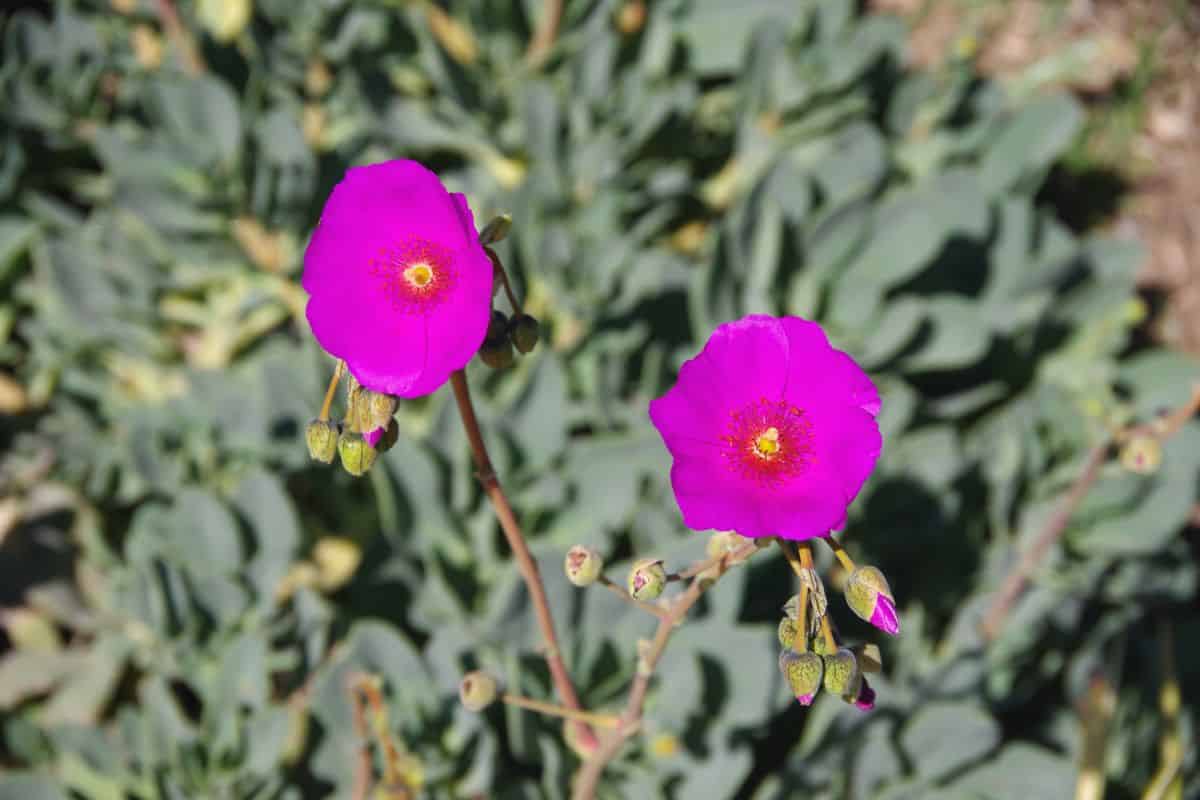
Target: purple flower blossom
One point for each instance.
(398, 283)
(772, 430)
(884, 616)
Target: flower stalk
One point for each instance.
(516, 542)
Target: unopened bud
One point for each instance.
(647, 579)
(842, 675)
(722, 543)
(357, 455)
(870, 598)
(496, 230)
(583, 565)
(497, 354)
(321, 436)
(477, 690)
(788, 632)
(865, 699)
(497, 327)
(803, 672)
(1142, 454)
(524, 332)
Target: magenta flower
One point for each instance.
(772, 430)
(398, 283)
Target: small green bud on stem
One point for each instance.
(647, 579)
(583, 565)
(322, 439)
(477, 690)
(357, 455)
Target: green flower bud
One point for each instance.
(803, 672)
(788, 628)
(870, 598)
(477, 690)
(791, 609)
(842, 675)
(496, 230)
(647, 579)
(357, 455)
(583, 565)
(321, 436)
(498, 354)
(820, 646)
(524, 332)
(1142, 454)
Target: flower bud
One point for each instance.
(865, 699)
(380, 408)
(524, 332)
(477, 690)
(583, 565)
(357, 455)
(870, 597)
(1142, 454)
(803, 672)
(497, 354)
(321, 436)
(788, 628)
(388, 438)
(842, 676)
(647, 579)
(497, 327)
(496, 230)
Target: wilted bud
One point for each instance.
(870, 597)
(477, 690)
(381, 408)
(1142, 454)
(583, 565)
(842, 675)
(496, 230)
(647, 579)
(803, 672)
(387, 440)
(788, 630)
(497, 354)
(357, 455)
(524, 332)
(321, 436)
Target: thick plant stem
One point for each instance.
(588, 778)
(520, 550)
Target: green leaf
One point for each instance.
(1030, 140)
(942, 737)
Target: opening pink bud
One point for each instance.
(884, 616)
(805, 699)
(372, 437)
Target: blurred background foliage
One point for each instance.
(184, 596)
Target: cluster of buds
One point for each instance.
(812, 657)
(508, 336)
(505, 336)
(369, 428)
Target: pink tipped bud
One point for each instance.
(647, 579)
(583, 565)
(870, 598)
(372, 437)
(884, 616)
(803, 673)
(866, 697)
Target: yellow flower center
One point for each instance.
(766, 444)
(419, 275)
